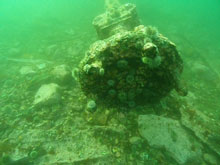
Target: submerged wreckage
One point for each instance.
(131, 64)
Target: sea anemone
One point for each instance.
(131, 94)
(122, 96)
(145, 60)
(131, 104)
(111, 83)
(130, 79)
(122, 64)
(91, 105)
(86, 68)
(101, 71)
(112, 92)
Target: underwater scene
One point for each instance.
(109, 82)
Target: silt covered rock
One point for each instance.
(47, 94)
(204, 127)
(166, 133)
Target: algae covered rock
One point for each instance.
(131, 67)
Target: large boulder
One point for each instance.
(166, 133)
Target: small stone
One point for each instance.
(26, 70)
(117, 154)
(135, 140)
(62, 74)
(47, 94)
(41, 66)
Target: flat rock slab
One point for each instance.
(166, 133)
(205, 128)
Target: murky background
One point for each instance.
(38, 35)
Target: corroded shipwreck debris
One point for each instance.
(115, 20)
(133, 64)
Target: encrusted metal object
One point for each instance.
(115, 20)
(132, 66)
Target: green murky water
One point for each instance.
(47, 119)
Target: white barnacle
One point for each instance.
(86, 68)
(145, 60)
(101, 71)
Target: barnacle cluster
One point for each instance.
(131, 67)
